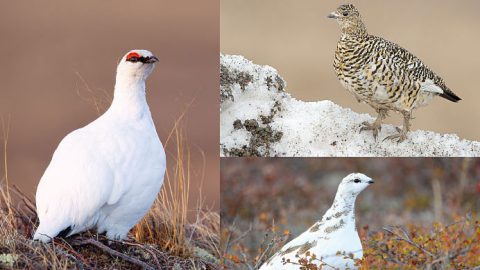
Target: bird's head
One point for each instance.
(137, 63)
(354, 183)
(349, 19)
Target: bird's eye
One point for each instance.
(357, 180)
(133, 57)
(345, 13)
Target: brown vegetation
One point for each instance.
(165, 239)
(420, 213)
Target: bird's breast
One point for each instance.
(376, 79)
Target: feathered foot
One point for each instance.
(376, 126)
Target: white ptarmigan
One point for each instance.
(107, 174)
(334, 239)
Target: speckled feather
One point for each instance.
(333, 239)
(381, 73)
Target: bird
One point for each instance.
(107, 174)
(382, 74)
(333, 241)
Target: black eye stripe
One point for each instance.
(135, 59)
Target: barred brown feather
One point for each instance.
(381, 73)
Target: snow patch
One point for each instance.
(257, 118)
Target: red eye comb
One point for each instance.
(133, 54)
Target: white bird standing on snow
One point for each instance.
(333, 239)
(107, 174)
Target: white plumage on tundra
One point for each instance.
(107, 174)
(334, 239)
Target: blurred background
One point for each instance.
(293, 193)
(58, 57)
(297, 39)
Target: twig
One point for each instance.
(407, 239)
(322, 263)
(59, 248)
(28, 203)
(236, 240)
(112, 252)
(229, 236)
(92, 98)
(267, 249)
(6, 131)
(391, 256)
(157, 262)
(67, 245)
(451, 256)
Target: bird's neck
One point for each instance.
(343, 205)
(129, 97)
(354, 29)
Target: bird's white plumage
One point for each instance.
(107, 174)
(430, 86)
(333, 239)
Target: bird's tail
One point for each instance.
(448, 94)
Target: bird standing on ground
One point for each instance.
(333, 240)
(382, 74)
(107, 174)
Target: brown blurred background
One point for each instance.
(294, 193)
(59, 55)
(297, 39)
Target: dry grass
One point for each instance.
(174, 232)
(165, 238)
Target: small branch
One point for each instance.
(155, 258)
(61, 250)
(229, 242)
(242, 236)
(68, 247)
(391, 257)
(407, 239)
(28, 203)
(112, 252)
(451, 256)
(267, 249)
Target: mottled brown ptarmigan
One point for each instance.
(382, 74)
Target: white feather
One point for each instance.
(430, 86)
(334, 234)
(107, 174)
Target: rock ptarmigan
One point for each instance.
(382, 74)
(107, 174)
(334, 239)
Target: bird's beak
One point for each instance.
(370, 181)
(151, 59)
(333, 15)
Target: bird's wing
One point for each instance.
(77, 182)
(415, 68)
(293, 246)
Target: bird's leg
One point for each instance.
(402, 133)
(377, 125)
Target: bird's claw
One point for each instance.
(400, 136)
(374, 128)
